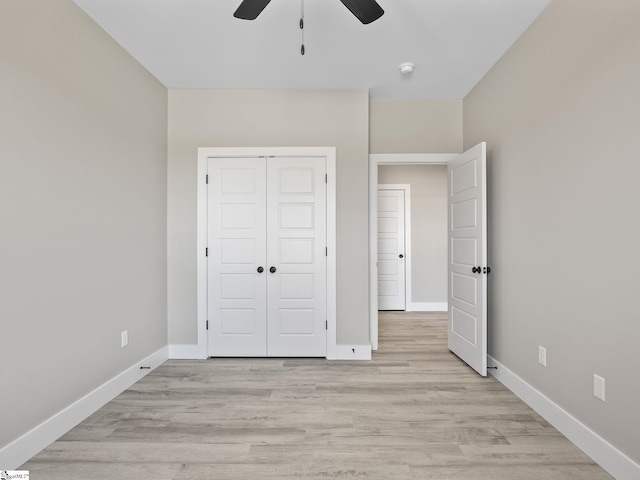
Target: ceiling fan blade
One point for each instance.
(366, 11)
(250, 9)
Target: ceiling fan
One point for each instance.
(366, 11)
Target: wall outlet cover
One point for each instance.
(542, 356)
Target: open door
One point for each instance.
(468, 267)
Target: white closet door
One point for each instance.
(296, 270)
(236, 239)
(391, 242)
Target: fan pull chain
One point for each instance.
(302, 25)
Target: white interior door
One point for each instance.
(468, 258)
(296, 252)
(391, 250)
(237, 250)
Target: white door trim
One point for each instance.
(407, 237)
(376, 159)
(204, 153)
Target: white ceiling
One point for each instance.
(199, 44)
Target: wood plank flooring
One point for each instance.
(414, 412)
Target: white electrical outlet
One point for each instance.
(542, 356)
(598, 386)
(125, 338)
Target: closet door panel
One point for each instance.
(236, 239)
(296, 241)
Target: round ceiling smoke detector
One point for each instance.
(406, 68)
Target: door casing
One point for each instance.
(204, 153)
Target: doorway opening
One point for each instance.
(466, 249)
(376, 160)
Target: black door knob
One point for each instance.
(272, 269)
(476, 270)
(260, 269)
(401, 256)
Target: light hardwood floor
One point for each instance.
(414, 412)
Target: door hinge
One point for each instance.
(206, 252)
(326, 324)
(207, 179)
(326, 178)
(207, 324)
(326, 251)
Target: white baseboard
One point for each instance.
(342, 352)
(428, 307)
(185, 352)
(22, 449)
(601, 451)
(352, 352)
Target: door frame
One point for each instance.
(407, 237)
(204, 153)
(376, 159)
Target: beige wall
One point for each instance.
(82, 210)
(561, 116)
(428, 227)
(416, 126)
(270, 118)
